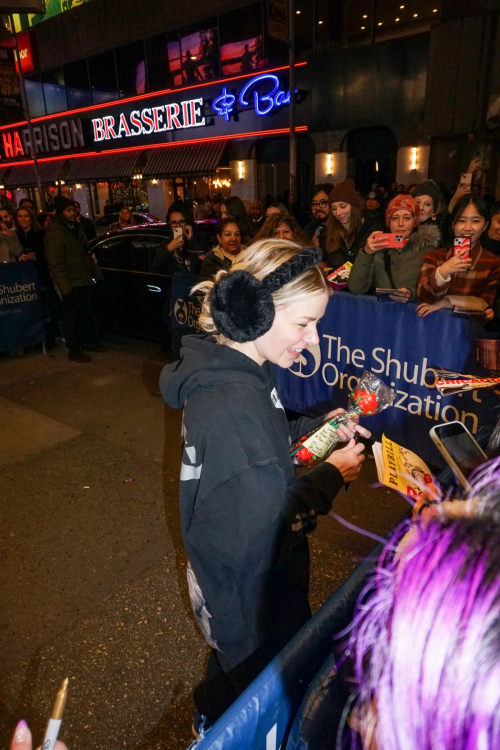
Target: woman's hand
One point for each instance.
(405, 296)
(375, 242)
(425, 309)
(456, 264)
(348, 460)
(476, 163)
(22, 739)
(175, 244)
(459, 193)
(347, 431)
(490, 313)
(188, 232)
(27, 256)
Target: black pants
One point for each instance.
(79, 322)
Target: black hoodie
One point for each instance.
(243, 511)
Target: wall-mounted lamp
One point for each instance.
(154, 182)
(376, 166)
(78, 186)
(414, 157)
(329, 163)
(241, 172)
(137, 177)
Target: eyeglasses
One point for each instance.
(181, 223)
(319, 204)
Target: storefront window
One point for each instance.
(241, 47)
(102, 72)
(131, 69)
(34, 93)
(76, 77)
(54, 91)
(200, 52)
(159, 74)
(395, 18)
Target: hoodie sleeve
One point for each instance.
(245, 524)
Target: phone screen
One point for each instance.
(461, 446)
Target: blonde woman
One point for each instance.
(244, 514)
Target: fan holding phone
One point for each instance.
(464, 274)
(390, 262)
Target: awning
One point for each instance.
(190, 160)
(103, 167)
(24, 175)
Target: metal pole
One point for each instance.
(293, 136)
(24, 101)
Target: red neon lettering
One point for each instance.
(109, 124)
(195, 112)
(7, 145)
(147, 121)
(134, 119)
(98, 130)
(124, 125)
(185, 113)
(18, 146)
(173, 116)
(159, 124)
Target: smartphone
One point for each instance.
(466, 312)
(478, 155)
(386, 293)
(395, 240)
(465, 179)
(460, 244)
(177, 232)
(459, 449)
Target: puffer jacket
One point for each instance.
(70, 261)
(214, 262)
(391, 268)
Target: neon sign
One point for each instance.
(263, 104)
(173, 116)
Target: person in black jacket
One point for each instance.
(222, 256)
(182, 252)
(347, 231)
(86, 224)
(31, 236)
(244, 513)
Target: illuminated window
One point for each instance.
(200, 52)
(241, 48)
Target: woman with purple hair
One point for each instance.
(426, 636)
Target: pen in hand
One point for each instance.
(55, 720)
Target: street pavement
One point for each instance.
(92, 566)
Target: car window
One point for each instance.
(125, 252)
(106, 220)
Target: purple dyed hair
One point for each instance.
(426, 635)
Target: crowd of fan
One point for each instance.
(351, 229)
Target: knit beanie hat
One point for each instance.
(61, 203)
(407, 203)
(428, 187)
(346, 193)
(375, 195)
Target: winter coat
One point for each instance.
(32, 242)
(391, 268)
(214, 262)
(10, 249)
(186, 258)
(68, 256)
(243, 511)
(373, 222)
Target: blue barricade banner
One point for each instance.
(21, 313)
(359, 332)
(184, 308)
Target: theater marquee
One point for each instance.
(236, 107)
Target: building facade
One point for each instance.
(151, 101)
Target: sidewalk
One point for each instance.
(92, 564)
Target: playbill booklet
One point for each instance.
(400, 469)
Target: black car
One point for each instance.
(133, 296)
(110, 221)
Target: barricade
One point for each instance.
(359, 332)
(21, 313)
(261, 717)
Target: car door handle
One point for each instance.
(153, 288)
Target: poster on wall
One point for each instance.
(200, 56)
